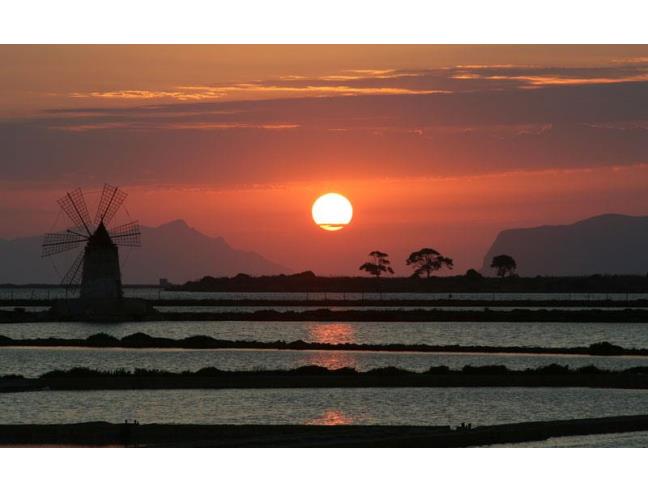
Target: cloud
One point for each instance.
(534, 81)
(452, 79)
(149, 126)
(453, 121)
(149, 94)
(253, 91)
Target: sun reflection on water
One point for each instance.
(328, 359)
(331, 417)
(332, 333)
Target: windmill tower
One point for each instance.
(97, 264)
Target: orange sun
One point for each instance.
(332, 211)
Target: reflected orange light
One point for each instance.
(331, 359)
(331, 417)
(329, 227)
(332, 333)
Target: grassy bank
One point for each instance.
(320, 377)
(445, 302)
(309, 282)
(201, 342)
(168, 435)
(417, 315)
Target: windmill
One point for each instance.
(97, 264)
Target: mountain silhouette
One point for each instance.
(605, 244)
(173, 250)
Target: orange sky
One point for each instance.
(435, 146)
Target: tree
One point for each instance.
(504, 264)
(378, 265)
(428, 260)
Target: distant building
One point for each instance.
(164, 283)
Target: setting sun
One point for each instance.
(332, 211)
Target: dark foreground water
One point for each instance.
(33, 362)
(620, 440)
(393, 406)
(434, 333)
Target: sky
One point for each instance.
(435, 146)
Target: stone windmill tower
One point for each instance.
(97, 264)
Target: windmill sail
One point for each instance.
(126, 234)
(111, 199)
(74, 206)
(73, 275)
(59, 242)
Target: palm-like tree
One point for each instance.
(378, 265)
(427, 261)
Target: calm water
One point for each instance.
(395, 406)
(434, 333)
(620, 440)
(300, 309)
(36, 361)
(154, 293)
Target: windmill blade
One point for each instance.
(111, 199)
(73, 275)
(126, 235)
(74, 206)
(59, 242)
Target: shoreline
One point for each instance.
(415, 315)
(446, 302)
(202, 342)
(85, 379)
(98, 434)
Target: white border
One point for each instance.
(318, 470)
(333, 21)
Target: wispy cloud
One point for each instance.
(438, 122)
(180, 94)
(387, 81)
(255, 91)
(621, 71)
(151, 126)
(534, 81)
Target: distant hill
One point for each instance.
(606, 244)
(173, 250)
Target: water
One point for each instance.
(386, 406)
(32, 362)
(615, 440)
(364, 406)
(301, 309)
(155, 293)
(630, 335)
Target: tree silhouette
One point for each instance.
(504, 264)
(428, 260)
(378, 265)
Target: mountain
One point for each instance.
(174, 251)
(605, 244)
